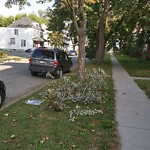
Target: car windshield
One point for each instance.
(43, 54)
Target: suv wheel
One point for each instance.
(2, 97)
(59, 74)
(34, 73)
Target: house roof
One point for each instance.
(24, 23)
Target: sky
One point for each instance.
(15, 9)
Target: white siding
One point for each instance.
(26, 34)
(4, 38)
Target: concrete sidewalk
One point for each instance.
(132, 110)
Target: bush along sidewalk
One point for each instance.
(75, 115)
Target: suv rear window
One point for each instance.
(43, 54)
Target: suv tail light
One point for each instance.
(55, 63)
(30, 60)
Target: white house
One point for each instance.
(22, 34)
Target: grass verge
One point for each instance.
(134, 66)
(9, 58)
(31, 127)
(144, 85)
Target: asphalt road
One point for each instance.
(19, 81)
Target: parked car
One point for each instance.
(2, 93)
(53, 61)
(28, 50)
(72, 53)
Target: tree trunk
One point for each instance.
(81, 34)
(80, 27)
(81, 55)
(100, 50)
(148, 51)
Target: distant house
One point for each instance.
(22, 34)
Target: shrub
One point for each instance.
(3, 53)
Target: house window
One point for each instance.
(12, 41)
(16, 31)
(23, 43)
(41, 34)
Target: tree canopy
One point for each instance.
(101, 25)
(125, 18)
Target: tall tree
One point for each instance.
(3, 21)
(56, 39)
(34, 17)
(20, 3)
(10, 19)
(19, 16)
(78, 13)
(77, 9)
(81, 31)
(103, 12)
(41, 13)
(129, 26)
(60, 20)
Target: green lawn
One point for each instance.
(29, 127)
(134, 66)
(9, 58)
(145, 85)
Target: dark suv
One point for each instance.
(2, 92)
(52, 61)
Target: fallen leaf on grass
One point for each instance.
(60, 142)
(13, 135)
(6, 115)
(84, 129)
(44, 139)
(72, 147)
